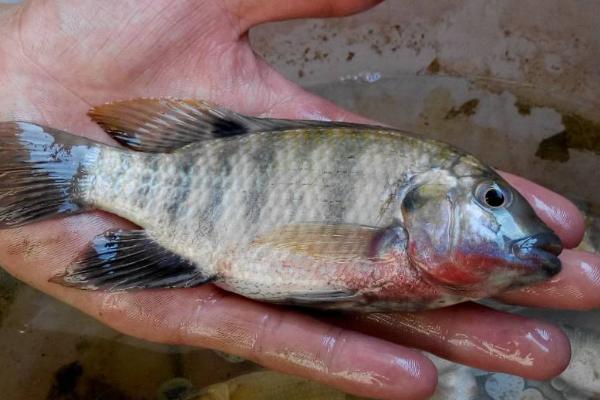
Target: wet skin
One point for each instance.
(91, 54)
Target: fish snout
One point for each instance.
(543, 249)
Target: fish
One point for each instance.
(330, 215)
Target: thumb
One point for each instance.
(254, 12)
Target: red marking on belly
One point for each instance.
(459, 275)
(393, 280)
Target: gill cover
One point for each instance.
(431, 218)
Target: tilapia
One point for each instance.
(313, 213)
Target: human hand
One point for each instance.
(60, 57)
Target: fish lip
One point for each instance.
(542, 248)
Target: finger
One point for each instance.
(278, 339)
(477, 336)
(254, 12)
(561, 215)
(576, 287)
(207, 317)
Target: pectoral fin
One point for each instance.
(336, 242)
(341, 242)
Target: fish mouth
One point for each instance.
(542, 249)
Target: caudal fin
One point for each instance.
(41, 171)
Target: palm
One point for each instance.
(188, 49)
(58, 58)
(149, 48)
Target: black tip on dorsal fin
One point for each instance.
(162, 125)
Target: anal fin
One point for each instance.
(122, 260)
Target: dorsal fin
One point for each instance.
(162, 125)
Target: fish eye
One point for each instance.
(492, 195)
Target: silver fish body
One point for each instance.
(321, 214)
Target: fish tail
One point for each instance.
(42, 172)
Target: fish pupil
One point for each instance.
(494, 197)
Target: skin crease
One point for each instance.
(59, 57)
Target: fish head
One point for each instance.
(474, 234)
